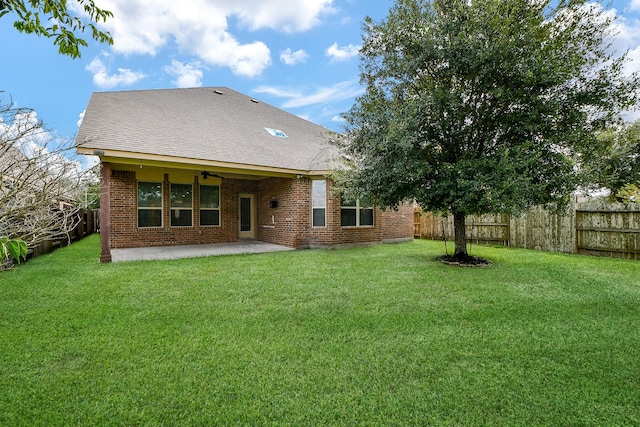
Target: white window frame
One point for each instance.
(179, 208)
(209, 209)
(358, 209)
(317, 204)
(155, 208)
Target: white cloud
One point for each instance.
(342, 53)
(623, 34)
(45, 149)
(628, 40)
(293, 58)
(15, 131)
(281, 15)
(187, 75)
(278, 92)
(81, 118)
(104, 80)
(200, 27)
(324, 95)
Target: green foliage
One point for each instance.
(615, 161)
(17, 248)
(481, 106)
(91, 184)
(382, 335)
(64, 27)
(629, 193)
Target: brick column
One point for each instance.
(105, 213)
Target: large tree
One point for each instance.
(480, 106)
(54, 18)
(615, 164)
(41, 189)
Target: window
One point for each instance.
(354, 215)
(318, 203)
(209, 205)
(277, 132)
(181, 205)
(149, 204)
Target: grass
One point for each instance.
(382, 335)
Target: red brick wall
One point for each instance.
(351, 235)
(398, 224)
(126, 234)
(287, 224)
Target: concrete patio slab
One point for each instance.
(195, 251)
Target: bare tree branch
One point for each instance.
(41, 188)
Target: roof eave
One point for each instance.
(155, 160)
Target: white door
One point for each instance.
(246, 216)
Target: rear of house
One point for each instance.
(211, 165)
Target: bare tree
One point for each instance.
(40, 185)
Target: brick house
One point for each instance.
(211, 165)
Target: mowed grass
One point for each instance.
(382, 335)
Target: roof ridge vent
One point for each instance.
(218, 91)
(255, 101)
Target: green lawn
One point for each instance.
(383, 335)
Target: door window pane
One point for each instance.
(245, 214)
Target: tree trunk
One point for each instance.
(460, 235)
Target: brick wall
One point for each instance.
(287, 224)
(126, 234)
(398, 224)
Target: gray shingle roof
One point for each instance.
(210, 124)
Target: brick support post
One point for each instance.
(105, 213)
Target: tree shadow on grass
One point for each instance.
(464, 261)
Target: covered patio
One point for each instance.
(195, 251)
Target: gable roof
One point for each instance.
(214, 124)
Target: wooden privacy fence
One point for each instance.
(88, 223)
(585, 228)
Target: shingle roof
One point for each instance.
(210, 124)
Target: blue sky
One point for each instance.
(298, 55)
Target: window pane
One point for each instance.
(209, 196)
(245, 214)
(348, 217)
(181, 217)
(348, 202)
(318, 217)
(210, 217)
(366, 216)
(181, 195)
(149, 217)
(318, 194)
(149, 194)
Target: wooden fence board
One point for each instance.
(89, 223)
(585, 228)
(603, 230)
